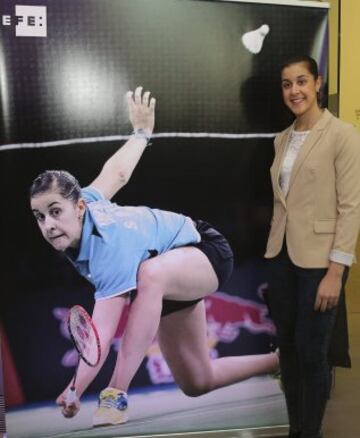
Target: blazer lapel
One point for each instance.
(283, 142)
(308, 145)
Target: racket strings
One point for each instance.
(84, 336)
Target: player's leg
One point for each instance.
(170, 275)
(173, 272)
(184, 344)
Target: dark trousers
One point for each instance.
(303, 336)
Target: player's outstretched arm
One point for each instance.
(106, 316)
(118, 169)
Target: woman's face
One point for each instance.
(299, 88)
(59, 219)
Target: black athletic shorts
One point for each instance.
(217, 249)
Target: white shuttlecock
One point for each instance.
(253, 41)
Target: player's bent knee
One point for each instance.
(197, 388)
(150, 275)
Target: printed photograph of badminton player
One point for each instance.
(171, 261)
(316, 218)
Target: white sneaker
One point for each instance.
(112, 408)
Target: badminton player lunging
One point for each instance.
(113, 247)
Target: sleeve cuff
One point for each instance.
(341, 257)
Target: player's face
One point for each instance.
(300, 88)
(59, 219)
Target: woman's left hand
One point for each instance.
(328, 292)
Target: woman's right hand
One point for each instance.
(69, 410)
(118, 169)
(141, 110)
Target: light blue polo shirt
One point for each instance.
(116, 239)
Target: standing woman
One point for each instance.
(316, 217)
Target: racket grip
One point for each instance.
(71, 396)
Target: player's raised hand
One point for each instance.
(141, 110)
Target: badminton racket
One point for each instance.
(86, 340)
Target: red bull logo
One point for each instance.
(226, 315)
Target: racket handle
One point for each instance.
(71, 396)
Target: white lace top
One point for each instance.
(296, 140)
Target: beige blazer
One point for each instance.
(321, 211)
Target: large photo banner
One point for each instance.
(213, 67)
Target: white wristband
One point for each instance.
(142, 134)
(71, 397)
